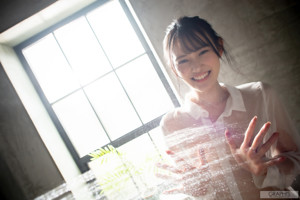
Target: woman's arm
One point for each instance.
(277, 162)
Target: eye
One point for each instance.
(203, 52)
(182, 61)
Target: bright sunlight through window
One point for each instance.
(103, 87)
(98, 78)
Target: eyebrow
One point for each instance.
(181, 56)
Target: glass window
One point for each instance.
(80, 122)
(101, 85)
(115, 33)
(98, 78)
(50, 68)
(143, 86)
(113, 106)
(82, 50)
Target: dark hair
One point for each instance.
(192, 33)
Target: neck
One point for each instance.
(213, 97)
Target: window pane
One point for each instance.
(80, 123)
(145, 88)
(113, 106)
(82, 50)
(115, 33)
(50, 68)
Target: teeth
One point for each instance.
(201, 77)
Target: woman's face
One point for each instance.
(199, 69)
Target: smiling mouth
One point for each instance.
(201, 77)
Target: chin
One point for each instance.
(204, 87)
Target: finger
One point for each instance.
(168, 168)
(180, 161)
(266, 146)
(274, 161)
(249, 133)
(260, 136)
(230, 141)
(202, 157)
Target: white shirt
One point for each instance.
(188, 129)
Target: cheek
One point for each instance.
(211, 58)
(214, 62)
(182, 71)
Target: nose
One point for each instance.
(196, 65)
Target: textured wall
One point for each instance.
(27, 169)
(14, 11)
(262, 36)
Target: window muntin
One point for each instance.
(82, 80)
(115, 33)
(113, 106)
(144, 88)
(50, 68)
(82, 50)
(101, 88)
(79, 120)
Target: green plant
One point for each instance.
(117, 169)
(116, 177)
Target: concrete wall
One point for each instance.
(262, 35)
(15, 11)
(27, 169)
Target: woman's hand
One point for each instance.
(192, 180)
(251, 155)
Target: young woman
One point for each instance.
(227, 142)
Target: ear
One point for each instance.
(221, 46)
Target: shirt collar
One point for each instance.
(234, 102)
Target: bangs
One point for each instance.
(192, 37)
(191, 41)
